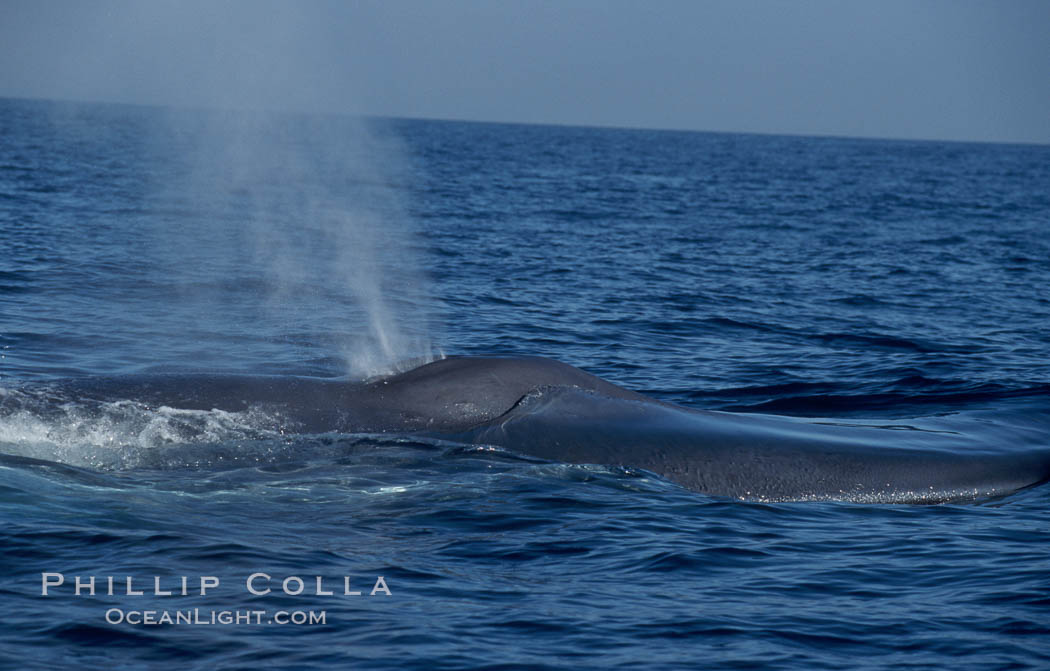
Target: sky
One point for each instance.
(918, 69)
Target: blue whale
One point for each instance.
(550, 410)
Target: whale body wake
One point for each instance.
(549, 410)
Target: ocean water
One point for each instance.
(813, 277)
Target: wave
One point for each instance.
(906, 397)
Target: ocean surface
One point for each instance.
(832, 278)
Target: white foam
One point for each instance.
(121, 434)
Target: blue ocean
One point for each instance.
(830, 280)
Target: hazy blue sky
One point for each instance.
(954, 69)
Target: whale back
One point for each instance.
(458, 393)
(765, 458)
(550, 410)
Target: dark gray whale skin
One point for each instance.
(550, 410)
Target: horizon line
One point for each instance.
(830, 135)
